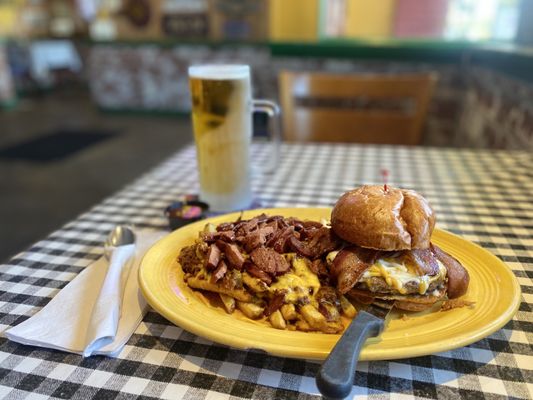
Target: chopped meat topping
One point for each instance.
(211, 237)
(189, 260)
(258, 273)
(319, 242)
(225, 226)
(256, 238)
(232, 253)
(213, 257)
(269, 261)
(319, 267)
(301, 248)
(275, 303)
(323, 241)
(280, 244)
(219, 273)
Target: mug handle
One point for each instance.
(271, 109)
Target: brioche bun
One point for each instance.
(389, 220)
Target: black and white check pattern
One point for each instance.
(485, 196)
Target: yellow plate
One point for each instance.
(493, 288)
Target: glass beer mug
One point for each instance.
(222, 109)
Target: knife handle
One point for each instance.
(335, 377)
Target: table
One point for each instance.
(485, 196)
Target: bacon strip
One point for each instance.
(424, 261)
(458, 277)
(349, 265)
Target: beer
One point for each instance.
(222, 123)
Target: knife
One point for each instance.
(335, 377)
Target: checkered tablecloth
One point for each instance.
(485, 196)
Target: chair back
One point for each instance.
(354, 108)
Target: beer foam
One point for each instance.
(214, 71)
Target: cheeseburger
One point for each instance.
(389, 254)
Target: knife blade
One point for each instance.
(335, 376)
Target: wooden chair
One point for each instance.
(354, 108)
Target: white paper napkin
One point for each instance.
(98, 311)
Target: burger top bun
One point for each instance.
(392, 219)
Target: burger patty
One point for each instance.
(378, 285)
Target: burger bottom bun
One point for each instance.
(410, 306)
(404, 302)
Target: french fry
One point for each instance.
(251, 310)
(333, 327)
(229, 302)
(239, 294)
(348, 310)
(277, 321)
(312, 316)
(256, 285)
(289, 312)
(317, 321)
(302, 325)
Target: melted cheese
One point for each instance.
(397, 275)
(299, 282)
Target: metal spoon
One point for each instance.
(121, 235)
(120, 252)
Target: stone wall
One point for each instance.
(471, 106)
(154, 78)
(498, 112)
